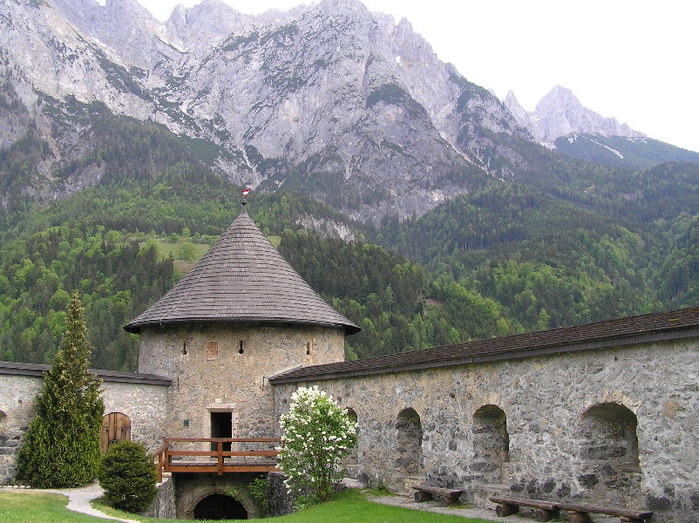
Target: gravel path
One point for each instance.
(407, 501)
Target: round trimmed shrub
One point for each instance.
(128, 477)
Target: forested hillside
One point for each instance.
(506, 258)
(115, 276)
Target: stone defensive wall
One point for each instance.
(140, 398)
(603, 418)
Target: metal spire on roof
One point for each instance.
(244, 192)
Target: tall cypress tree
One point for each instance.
(61, 448)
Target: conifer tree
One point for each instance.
(61, 448)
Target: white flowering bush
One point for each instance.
(316, 434)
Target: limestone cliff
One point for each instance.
(321, 97)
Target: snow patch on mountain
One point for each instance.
(609, 149)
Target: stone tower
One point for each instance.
(241, 315)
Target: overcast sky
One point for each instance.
(636, 60)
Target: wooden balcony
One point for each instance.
(223, 455)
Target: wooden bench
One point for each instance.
(544, 510)
(581, 513)
(425, 492)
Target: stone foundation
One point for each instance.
(164, 506)
(190, 489)
(280, 501)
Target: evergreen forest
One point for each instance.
(508, 257)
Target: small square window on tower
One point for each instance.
(212, 350)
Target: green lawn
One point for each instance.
(350, 507)
(182, 249)
(25, 505)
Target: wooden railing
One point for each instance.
(225, 455)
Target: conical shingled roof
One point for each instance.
(242, 278)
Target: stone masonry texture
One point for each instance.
(225, 368)
(17, 395)
(552, 449)
(615, 425)
(144, 404)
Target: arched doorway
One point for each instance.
(220, 506)
(491, 443)
(408, 443)
(609, 450)
(116, 426)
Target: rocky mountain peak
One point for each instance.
(328, 91)
(342, 5)
(213, 10)
(560, 113)
(131, 7)
(560, 92)
(520, 114)
(561, 102)
(206, 24)
(124, 27)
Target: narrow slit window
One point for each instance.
(241, 349)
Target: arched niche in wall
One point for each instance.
(408, 443)
(116, 426)
(491, 443)
(352, 457)
(3, 417)
(609, 453)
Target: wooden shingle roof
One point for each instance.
(242, 278)
(680, 324)
(38, 370)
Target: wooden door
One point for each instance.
(115, 427)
